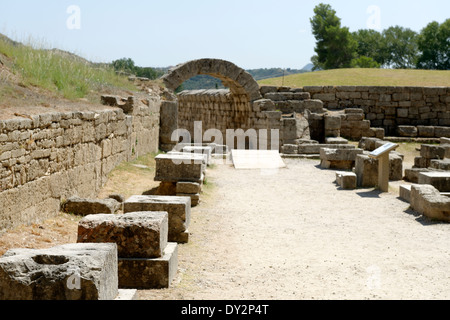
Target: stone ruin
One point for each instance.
(133, 243)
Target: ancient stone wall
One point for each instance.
(389, 107)
(218, 109)
(53, 156)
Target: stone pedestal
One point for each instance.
(178, 209)
(68, 272)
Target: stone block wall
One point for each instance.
(53, 156)
(389, 107)
(218, 109)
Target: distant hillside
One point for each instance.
(364, 77)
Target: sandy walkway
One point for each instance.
(293, 234)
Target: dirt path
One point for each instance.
(293, 234)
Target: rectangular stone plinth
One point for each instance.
(200, 150)
(137, 234)
(366, 169)
(428, 201)
(67, 272)
(149, 273)
(178, 209)
(188, 187)
(346, 180)
(338, 158)
(315, 148)
(180, 167)
(439, 180)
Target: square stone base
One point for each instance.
(149, 273)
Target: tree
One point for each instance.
(335, 46)
(371, 45)
(124, 65)
(365, 62)
(401, 47)
(434, 46)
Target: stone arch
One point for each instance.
(242, 85)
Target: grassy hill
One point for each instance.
(363, 77)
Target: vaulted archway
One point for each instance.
(240, 82)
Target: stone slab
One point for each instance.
(67, 272)
(178, 209)
(427, 200)
(188, 187)
(315, 148)
(438, 179)
(257, 159)
(346, 180)
(200, 150)
(84, 207)
(136, 234)
(149, 273)
(180, 167)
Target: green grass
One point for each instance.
(363, 77)
(62, 74)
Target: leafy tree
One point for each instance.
(371, 45)
(434, 46)
(365, 62)
(401, 47)
(125, 65)
(335, 46)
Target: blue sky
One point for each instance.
(252, 34)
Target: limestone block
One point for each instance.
(338, 158)
(425, 131)
(84, 207)
(442, 132)
(205, 150)
(421, 162)
(178, 209)
(314, 148)
(412, 175)
(332, 122)
(180, 167)
(188, 187)
(430, 151)
(405, 192)
(263, 105)
(366, 169)
(428, 201)
(336, 140)
(440, 164)
(155, 273)
(407, 131)
(346, 180)
(67, 272)
(439, 180)
(195, 198)
(368, 144)
(289, 149)
(137, 234)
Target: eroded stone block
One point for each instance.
(180, 167)
(136, 234)
(428, 201)
(84, 207)
(67, 272)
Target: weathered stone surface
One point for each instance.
(289, 149)
(336, 140)
(86, 207)
(155, 273)
(168, 124)
(338, 158)
(412, 175)
(439, 180)
(178, 209)
(430, 151)
(407, 131)
(366, 169)
(180, 167)
(368, 144)
(440, 164)
(346, 180)
(188, 187)
(200, 150)
(332, 122)
(405, 192)
(137, 234)
(195, 198)
(427, 200)
(68, 272)
(314, 148)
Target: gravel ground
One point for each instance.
(292, 234)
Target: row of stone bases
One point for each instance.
(122, 246)
(429, 188)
